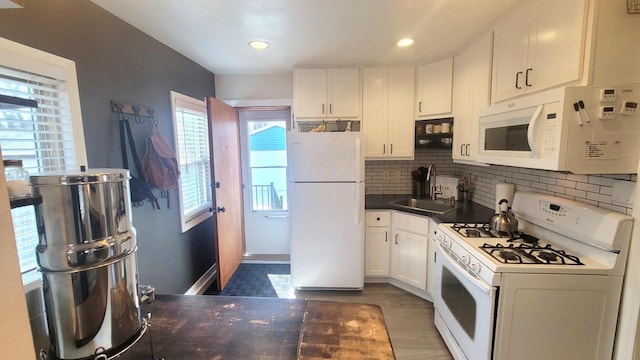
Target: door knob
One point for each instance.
(221, 209)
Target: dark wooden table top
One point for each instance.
(227, 327)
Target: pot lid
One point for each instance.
(90, 176)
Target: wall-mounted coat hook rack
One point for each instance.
(139, 113)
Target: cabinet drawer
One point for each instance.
(411, 223)
(378, 218)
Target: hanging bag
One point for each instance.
(159, 163)
(139, 188)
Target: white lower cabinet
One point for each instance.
(409, 258)
(397, 247)
(377, 243)
(431, 257)
(409, 249)
(377, 249)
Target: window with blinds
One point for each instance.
(191, 136)
(46, 138)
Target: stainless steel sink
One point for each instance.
(428, 206)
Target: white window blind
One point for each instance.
(43, 137)
(191, 135)
(46, 138)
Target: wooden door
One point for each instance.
(224, 136)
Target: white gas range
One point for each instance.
(550, 290)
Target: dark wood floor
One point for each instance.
(409, 319)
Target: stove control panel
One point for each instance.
(583, 222)
(459, 252)
(553, 209)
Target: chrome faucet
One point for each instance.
(433, 190)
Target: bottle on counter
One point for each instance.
(17, 179)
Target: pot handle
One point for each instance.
(503, 201)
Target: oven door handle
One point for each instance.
(472, 279)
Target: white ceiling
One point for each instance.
(215, 33)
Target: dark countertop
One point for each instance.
(233, 327)
(469, 212)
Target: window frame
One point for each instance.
(26, 59)
(247, 177)
(188, 221)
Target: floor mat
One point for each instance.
(262, 280)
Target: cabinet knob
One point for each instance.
(378, 219)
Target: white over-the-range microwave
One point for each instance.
(581, 129)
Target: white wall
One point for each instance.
(15, 332)
(243, 87)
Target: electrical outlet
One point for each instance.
(623, 193)
(394, 174)
(385, 175)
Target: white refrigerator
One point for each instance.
(326, 210)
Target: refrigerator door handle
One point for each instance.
(357, 207)
(358, 160)
(357, 179)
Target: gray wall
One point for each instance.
(115, 61)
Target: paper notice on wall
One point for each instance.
(602, 149)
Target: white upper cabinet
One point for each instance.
(472, 80)
(433, 90)
(538, 46)
(387, 112)
(326, 93)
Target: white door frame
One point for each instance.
(266, 232)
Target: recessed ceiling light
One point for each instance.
(259, 45)
(404, 42)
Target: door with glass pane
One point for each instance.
(264, 173)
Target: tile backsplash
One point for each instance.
(394, 177)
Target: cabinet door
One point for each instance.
(431, 257)
(409, 258)
(310, 93)
(462, 97)
(510, 53)
(343, 93)
(375, 111)
(482, 52)
(435, 81)
(401, 129)
(377, 251)
(559, 45)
